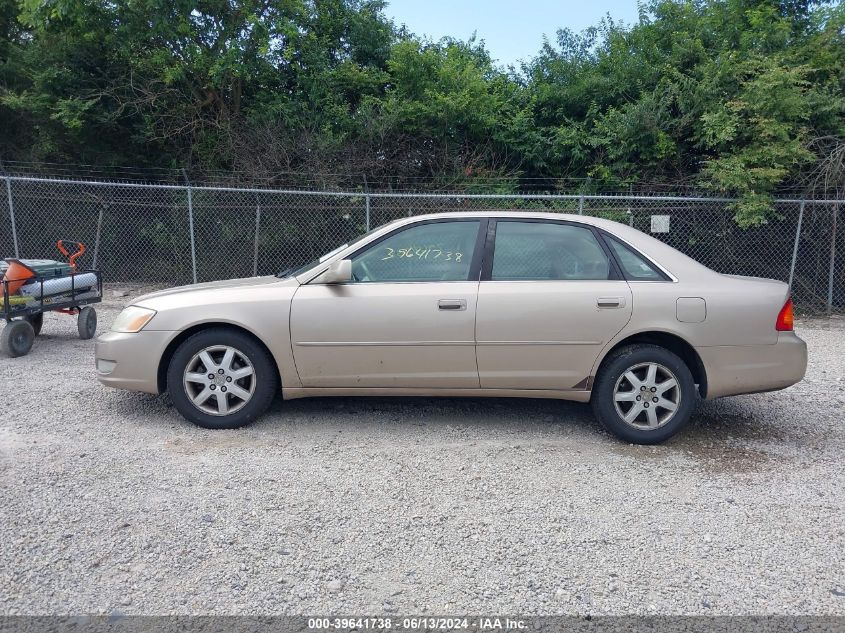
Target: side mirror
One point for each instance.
(338, 273)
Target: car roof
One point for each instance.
(508, 213)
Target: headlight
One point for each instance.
(132, 319)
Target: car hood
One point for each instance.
(248, 282)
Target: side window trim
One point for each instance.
(604, 236)
(614, 272)
(478, 254)
(489, 247)
(475, 262)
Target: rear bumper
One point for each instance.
(130, 361)
(736, 369)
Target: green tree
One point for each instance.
(740, 97)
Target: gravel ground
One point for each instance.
(111, 502)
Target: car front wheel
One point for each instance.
(644, 394)
(221, 379)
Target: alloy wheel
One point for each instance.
(219, 380)
(647, 395)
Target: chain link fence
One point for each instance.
(173, 234)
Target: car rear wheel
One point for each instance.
(221, 379)
(644, 394)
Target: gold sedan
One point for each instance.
(468, 304)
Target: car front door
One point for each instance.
(549, 300)
(407, 320)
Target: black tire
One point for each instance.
(36, 321)
(86, 323)
(17, 338)
(638, 357)
(265, 378)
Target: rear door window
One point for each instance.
(547, 251)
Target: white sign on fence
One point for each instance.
(660, 223)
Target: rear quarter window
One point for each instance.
(634, 266)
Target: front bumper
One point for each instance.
(736, 369)
(130, 361)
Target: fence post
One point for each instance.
(191, 226)
(367, 209)
(835, 210)
(12, 216)
(97, 237)
(795, 246)
(581, 204)
(257, 228)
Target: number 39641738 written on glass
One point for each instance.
(427, 252)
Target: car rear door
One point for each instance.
(550, 298)
(407, 320)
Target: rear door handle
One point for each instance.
(452, 304)
(610, 302)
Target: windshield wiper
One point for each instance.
(286, 272)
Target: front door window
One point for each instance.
(435, 251)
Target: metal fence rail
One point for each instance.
(186, 233)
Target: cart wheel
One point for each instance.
(36, 321)
(16, 338)
(87, 323)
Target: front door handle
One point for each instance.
(452, 304)
(610, 302)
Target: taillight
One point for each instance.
(785, 318)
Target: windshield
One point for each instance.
(294, 271)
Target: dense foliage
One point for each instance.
(740, 97)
